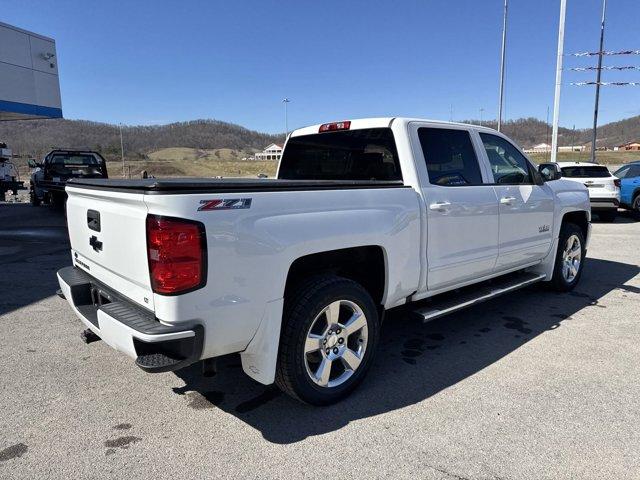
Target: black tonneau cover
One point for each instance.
(165, 186)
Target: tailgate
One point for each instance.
(107, 230)
(600, 186)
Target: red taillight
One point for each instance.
(176, 250)
(616, 182)
(330, 127)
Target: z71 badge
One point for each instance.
(224, 204)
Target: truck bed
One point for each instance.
(166, 186)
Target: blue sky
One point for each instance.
(150, 62)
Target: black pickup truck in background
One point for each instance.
(50, 177)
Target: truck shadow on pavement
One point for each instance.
(34, 244)
(414, 360)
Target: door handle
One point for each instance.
(440, 206)
(507, 200)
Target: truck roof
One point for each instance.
(579, 164)
(383, 122)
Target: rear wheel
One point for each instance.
(329, 336)
(608, 215)
(569, 258)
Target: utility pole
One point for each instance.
(481, 111)
(502, 58)
(556, 100)
(598, 74)
(286, 119)
(548, 133)
(451, 112)
(122, 152)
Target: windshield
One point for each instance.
(585, 172)
(365, 154)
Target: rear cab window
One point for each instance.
(74, 164)
(586, 171)
(362, 154)
(450, 157)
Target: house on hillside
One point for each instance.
(631, 146)
(272, 152)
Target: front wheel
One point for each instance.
(35, 200)
(329, 336)
(636, 206)
(569, 258)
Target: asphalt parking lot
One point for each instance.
(534, 385)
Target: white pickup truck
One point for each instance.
(295, 273)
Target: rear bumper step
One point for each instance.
(129, 328)
(604, 203)
(453, 301)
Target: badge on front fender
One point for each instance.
(224, 204)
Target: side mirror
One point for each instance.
(549, 171)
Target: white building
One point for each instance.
(29, 85)
(546, 148)
(572, 148)
(540, 148)
(272, 152)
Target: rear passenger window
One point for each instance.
(450, 157)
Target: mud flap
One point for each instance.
(261, 355)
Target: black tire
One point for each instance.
(635, 206)
(608, 216)
(58, 201)
(301, 308)
(35, 201)
(559, 282)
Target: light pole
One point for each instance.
(599, 72)
(481, 111)
(556, 100)
(502, 58)
(122, 151)
(286, 119)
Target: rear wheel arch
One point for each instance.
(365, 265)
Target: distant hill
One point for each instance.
(531, 131)
(216, 140)
(35, 138)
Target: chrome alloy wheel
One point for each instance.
(336, 343)
(571, 258)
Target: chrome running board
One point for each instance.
(449, 302)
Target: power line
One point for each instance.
(607, 84)
(585, 69)
(606, 52)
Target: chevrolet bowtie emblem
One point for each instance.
(95, 243)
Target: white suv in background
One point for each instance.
(604, 188)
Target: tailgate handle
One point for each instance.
(93, 220)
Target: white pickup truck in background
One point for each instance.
(295, 273)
